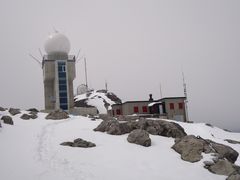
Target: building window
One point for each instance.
(113, 112)
(144, 109)
(180, 105)
(135, 109)
(118, 112)
(171, 105)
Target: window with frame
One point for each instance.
(118, 111)
(144, 109)
(171, 105)
(180, 105)
(135, 109)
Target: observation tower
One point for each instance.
(58, 73)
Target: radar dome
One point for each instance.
(57, 43)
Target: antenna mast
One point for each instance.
(85, 64)
(106, 85)
(185, 94)
(160, 88)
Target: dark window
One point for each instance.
(62, 74)
(135, 109)
(62, 81)
(63, 94)
(144, 108)
(63, 100)
(180, 105)
(62, 87)
(171, 105)
(64, 106)
(118, 111)
(113, 112)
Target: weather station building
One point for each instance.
(58, 73)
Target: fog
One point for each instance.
(135, 46)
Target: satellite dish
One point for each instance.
(82, 89)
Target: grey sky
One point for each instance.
(134, 45)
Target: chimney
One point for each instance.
(150, 97)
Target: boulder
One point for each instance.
(57, 115)
(79, 143)
(67, 143)
(31, 115)
(7, 120)
(232, 141)
(235, 175)
(191, 148)
(33, 110)
(154, 127)
(113, 127)
(82, 143)
(25, 117)
(2, 109)
(222, 167)
(224, 151)
(139, 136)
(14, 111)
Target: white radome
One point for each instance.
(57, 43)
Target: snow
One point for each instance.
(30, 150)
(96, 99)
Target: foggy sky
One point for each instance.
(134, 45)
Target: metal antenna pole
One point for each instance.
(160, 88)
(186, 100)
(38, 61)
(86, 72)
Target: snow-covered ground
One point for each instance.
(30, 150)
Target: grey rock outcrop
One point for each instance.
(7, 120)
(2, 109)
(14, 111)
(222, 167)
(235, 175)
(29, 116)
(232, 141)
(33, 110)
(113, 127)
(79, 143)
(57, 115)
(191, 148)
(154, 127)
(139, 136)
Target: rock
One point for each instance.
(67, 144)
(224, 151)
(13, 111)
(7, 120)
(139, 136)
(28, 116)
(113, 127)
(222, 167)
(33, 115)
(57, 115)
(154, 127)
(232, 141)
(191, 148)
(79, 143)
(33, 110)
(2, 109)
(235, 175)
(25, 117)
(82, 143)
